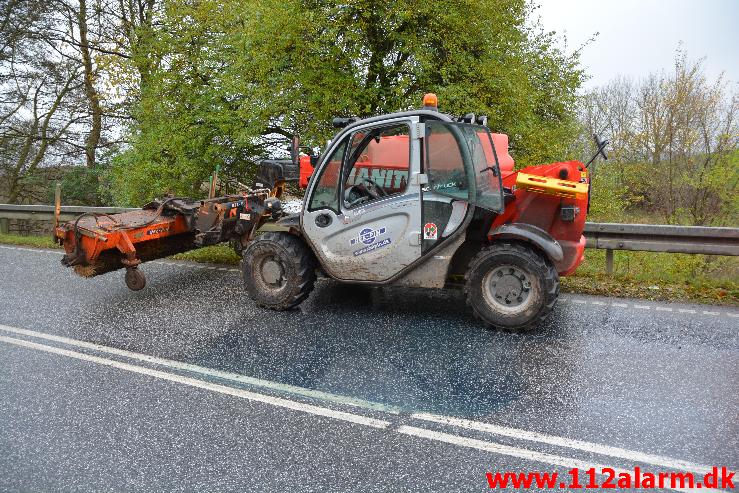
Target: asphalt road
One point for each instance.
(187, 386)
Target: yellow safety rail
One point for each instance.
(552, 186)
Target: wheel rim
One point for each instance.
(272, 273)
(508, 289)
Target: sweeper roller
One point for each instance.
(100, 243)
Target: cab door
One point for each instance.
(462, 168)
(362, 213)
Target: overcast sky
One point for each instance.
(640, 36)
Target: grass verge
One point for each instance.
(654, 276)
(658, 276)
(31, 241)
(217, 254)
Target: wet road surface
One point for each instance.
(187, 386)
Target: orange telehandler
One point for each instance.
(416, 198)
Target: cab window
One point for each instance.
(325, 193)
(461, 163)
(378, 164)
(445, 163)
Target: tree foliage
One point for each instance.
(674, 139)
(235, 79)
(63, 93)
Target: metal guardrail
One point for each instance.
(43, 212)
(607, 236)
(46, 213)
(661, 238)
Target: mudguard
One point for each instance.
(290, 221)
(531, 234)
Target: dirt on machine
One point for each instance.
(417, 198)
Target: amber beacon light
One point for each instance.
(430, 100)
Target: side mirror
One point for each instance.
(600, 146)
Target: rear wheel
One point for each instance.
(511, 286)
(279, 270)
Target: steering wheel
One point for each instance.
(359, 193)
(356, 194)
(375, 190)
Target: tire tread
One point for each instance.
(550, 281)
(305, 264)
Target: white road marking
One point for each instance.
(620, 305)
(597, 303)
(201, 384)
(735, 315)
(643, 307)
(685, 310)
(663, 309)
(705, 312)
(595, 448)
(521, 453)
(582, 302)
(233, 377)
(350, 417)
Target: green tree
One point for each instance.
(237, 79)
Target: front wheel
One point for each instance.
(511, 286)
(279, 270)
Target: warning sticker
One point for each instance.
(430, 231)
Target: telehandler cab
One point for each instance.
(415, 198)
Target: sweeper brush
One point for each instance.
(100, 243)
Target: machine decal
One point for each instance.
(245, 216)
(372, 247)
(430, 231)
(156, 231)
(368, 236)
(452, 184)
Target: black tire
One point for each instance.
(511, 286)
(135, 279)
(279, 270)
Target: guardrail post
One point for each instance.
(609, 261)
(4, 225)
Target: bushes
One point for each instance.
(673, 152)
(83, 186)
